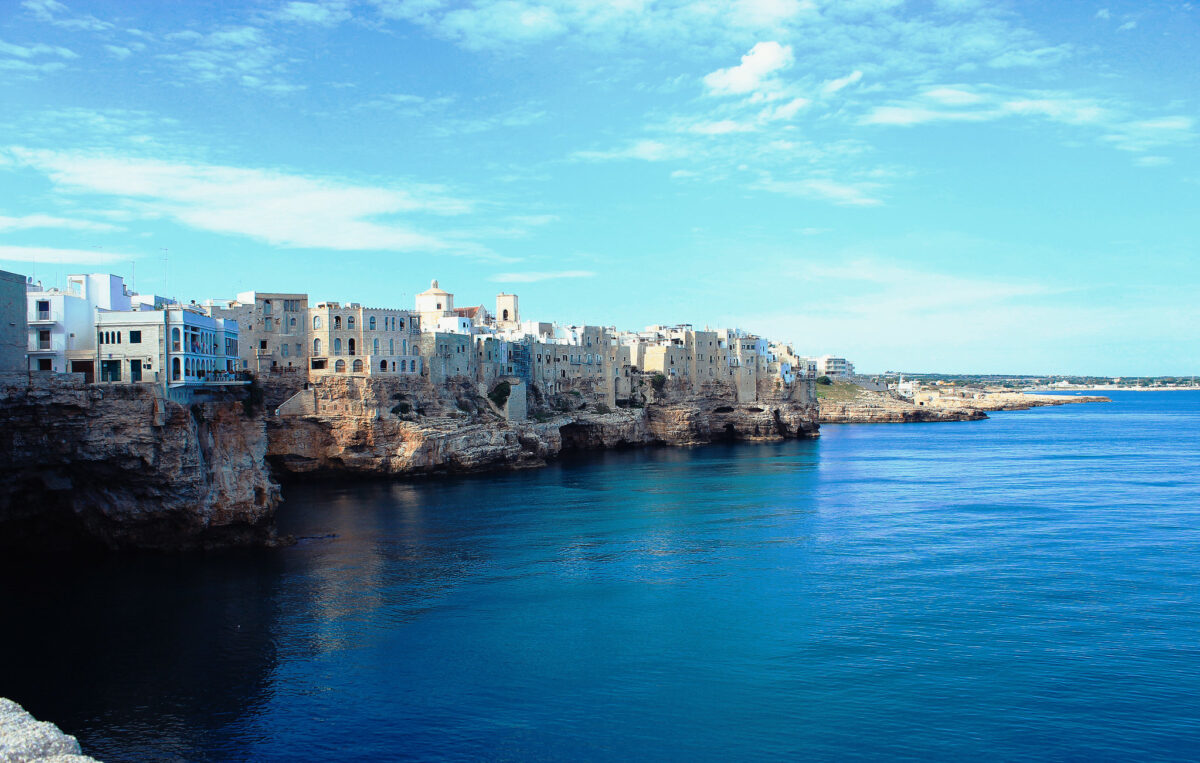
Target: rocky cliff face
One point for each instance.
(121, 467)
(402, 426)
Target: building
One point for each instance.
(830, 365)
(507, 315)
(352, 339)
(432, 304)
(177, 346)
(62, 322)
(273, 330)
(14, 329)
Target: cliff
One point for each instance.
(396, 426)
(123, 467)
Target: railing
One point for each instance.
(44, 344)
(43, 315)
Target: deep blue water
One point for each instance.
(1022, 587)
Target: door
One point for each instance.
(135, 370)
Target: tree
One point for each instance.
(825, 381)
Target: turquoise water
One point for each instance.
(1022, 587)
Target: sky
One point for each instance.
(921, 185)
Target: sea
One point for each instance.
(1021, 588)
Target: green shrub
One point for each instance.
(499, 394)
(825, 381)
(658, 381)
(602, 408)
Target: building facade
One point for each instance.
(14, 328)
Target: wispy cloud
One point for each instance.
(327, 13)
(823, 189)
(279, 208)
(645, 150)
(30, 222)
(755, 72)
(535, 276)
(49, 256)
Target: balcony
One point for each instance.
(39, 346)
(42, 317)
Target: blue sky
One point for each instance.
(939, 185)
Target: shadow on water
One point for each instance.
(166, 651)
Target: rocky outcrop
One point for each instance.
(25, 739)
(862, 406)
(123, 467)
(395, 426)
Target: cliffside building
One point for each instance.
(62, 322)
(14, 329)
(177, 346)
(351, 339)
(273, 326)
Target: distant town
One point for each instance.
(98, 327)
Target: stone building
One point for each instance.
(363, 340)
(14, 336)
(274, 330)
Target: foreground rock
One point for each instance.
(121, 467)
(24, 739)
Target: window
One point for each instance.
(175, 369)
(401, 324)
(266, 307)
(283, 350)
(337, 322)
(316, 321)
(375, 347)
(135, 337)
(262, 344)
(391, 347)
(383, 365)
(350, 323)
(350, 344)
(337, 347)
(340, 367)
(316, 347)
(371, 323)
(358, 366)
(292, 324)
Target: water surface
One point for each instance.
(1022, 587)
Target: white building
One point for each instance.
(62, 322)
(176, 346)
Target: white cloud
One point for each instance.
(118, 51)
(535, 276)
(723, 127)
(753, 73)
(278, 208)
(37, 49)
(646, 150)
(834, 85)
(823, 189)
(318, 13)
(1128, 25)
(28, 222)
(49, 256)
(953, 96)
(1152, 161)
(1103, 13)
(50, 11)
(767, 13)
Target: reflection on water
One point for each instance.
(1010, 588)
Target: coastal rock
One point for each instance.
(24, 739)
(123, 467)
(403, 426)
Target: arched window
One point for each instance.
(316, 321)
(375, 347)
(401, 324)
(391, 347)
(383, 365)
(292, 323)
(337, 346)
(340, 366)
(505, 316)
(175, 366)
(351, 345)
(350, 323)
(371, 322)
(283, 349)
(337, 322)
(358, 366)
(316, 347)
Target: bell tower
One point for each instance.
(506, 310)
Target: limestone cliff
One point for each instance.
(122, 467)
(393, 426)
